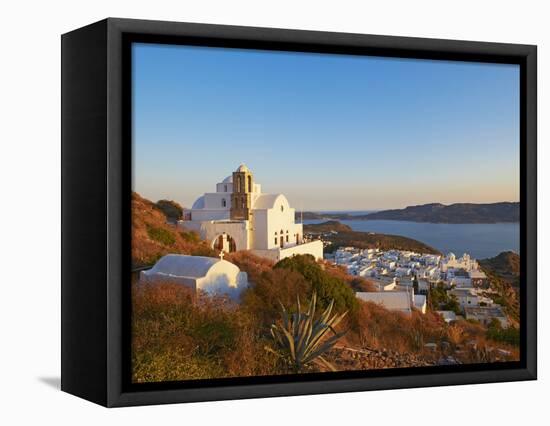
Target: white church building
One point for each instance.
(206, 274)
(239, 216)
(465, 262)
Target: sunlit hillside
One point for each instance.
(177, 335)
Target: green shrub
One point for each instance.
(509, 335)
(190, 236)
(171, 209)
(439, 299)
(213, 335)
(263, 299)
(326, 286)
(177, 335)
(161, 235)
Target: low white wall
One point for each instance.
(314, 248)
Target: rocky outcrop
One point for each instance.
(344, 358)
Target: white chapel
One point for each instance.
(239, 216)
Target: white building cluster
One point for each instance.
(376, 264)
(399, 274)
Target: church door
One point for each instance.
(219, 243)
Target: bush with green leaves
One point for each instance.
(301, 339)
(496, 332)
(161, 235)
(190, 236)
(439, 299)
(171, 209)
(329, 289)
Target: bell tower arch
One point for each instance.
(241, 197)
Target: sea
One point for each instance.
(479, 240)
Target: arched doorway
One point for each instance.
(224, 242)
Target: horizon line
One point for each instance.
(400, 208)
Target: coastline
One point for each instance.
(483, 240)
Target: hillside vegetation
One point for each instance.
(503, 272)
(171, 209)
(180, 335)
(505, 266)
(344, 236)
(153, 237)
(328, 226)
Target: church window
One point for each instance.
(249, 183)
(224, 203)
(275, 240)
(282, 208)
(287, 238)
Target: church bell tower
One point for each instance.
(241, 198)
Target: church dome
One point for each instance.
(270, 201)
(243, 168)
(228, 179)
(199, 203)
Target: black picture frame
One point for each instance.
(96, 191)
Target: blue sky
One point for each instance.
(331, 132)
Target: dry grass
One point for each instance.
(355, 282)
(375, 327)
(455, 334)
(179, 336)
(152, 237)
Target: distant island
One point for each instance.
(340, 235)
(434, 213)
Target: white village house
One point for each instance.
(448, 316)
(208, 274)
(239, 216)
(485, 314)
(398, 301)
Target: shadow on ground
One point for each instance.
(54, 382)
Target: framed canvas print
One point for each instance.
(277, 212)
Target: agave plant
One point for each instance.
(301, 339)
